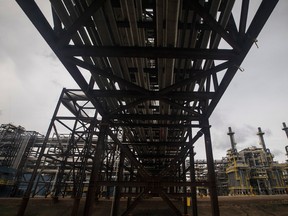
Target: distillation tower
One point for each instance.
(253, 170)
(237, 170)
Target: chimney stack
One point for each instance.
(261, 139)
(285, 128)
(232, 140)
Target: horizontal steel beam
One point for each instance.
(156, 117)
(167, 144)
(152, 25)
(171, 195)
(152, 125)
(152, 95)
(151, 183)
(156, 156)
(148, 52)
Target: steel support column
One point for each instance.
(184, 188)
(89, 37)
(79, 191)
(90, 198)
(130, 188)
(59, 179)
(193, 186)
(118, 188)
(211, 171)
(27, 193)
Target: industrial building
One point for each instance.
(18, 150)
(253, 170)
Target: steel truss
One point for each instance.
(11, 139)
(154, 71)
(17, 150)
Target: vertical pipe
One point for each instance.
(184, 188)
(130, 188)
(193, 179)
(22, 165)
(211, 170)
(27, 193)
(117, 194)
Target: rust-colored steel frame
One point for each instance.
(154, 71)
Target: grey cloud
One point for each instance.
(244, 133)
(221, 144)
(278, 152)
(220, 139)
(268, 132)
(50, 55)
(56, 83)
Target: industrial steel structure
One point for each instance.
(18, 150)
(251, 171)
(152, 72)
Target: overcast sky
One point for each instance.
(31, 79)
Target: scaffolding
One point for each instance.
(61, 163)
(18, 151)
(285, 173)
(13, 140)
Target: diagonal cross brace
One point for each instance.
(129, 154)
(181, 155)
(67, 34)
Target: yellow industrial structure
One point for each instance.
(253, 170)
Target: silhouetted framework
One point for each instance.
(17, 148)
(153, 71)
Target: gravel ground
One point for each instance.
(236, 205)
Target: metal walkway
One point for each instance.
(153, 72)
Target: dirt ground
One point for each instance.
(236, 205)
